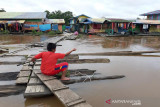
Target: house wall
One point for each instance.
(154, 28)
(60, 27)
(31, 25)
(96, 28)
(153, 17)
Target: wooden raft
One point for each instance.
(24, 75)
(62, 92)
(79, 61)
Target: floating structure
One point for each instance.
(21, 21)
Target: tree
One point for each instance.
(60, 15)
(2, 10)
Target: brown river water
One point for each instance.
(140, 84)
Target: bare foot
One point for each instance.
(65, 78)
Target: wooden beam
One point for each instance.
(79, 61)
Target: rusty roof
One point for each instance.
(23, 15)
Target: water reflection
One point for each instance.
(20, 39)
(126, 42)
(50, 101)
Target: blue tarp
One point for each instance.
(33, 25)
(55, 27)
(68, 27)
(45, 27)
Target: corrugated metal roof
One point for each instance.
(151, 13)
(98, 20)
(147, 22)
(13, 21)
(23, 15)
(117, 20)
(58, 21)
(82, 15)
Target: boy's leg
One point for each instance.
(63, 77)
(62, 67)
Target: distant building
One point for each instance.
(74, 22)
(56, 24)
(154, 15)
(21, 21)
(150, 25)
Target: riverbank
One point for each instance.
(142, 73)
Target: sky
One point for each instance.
(129, 9)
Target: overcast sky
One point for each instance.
(92, 8)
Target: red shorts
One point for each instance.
(59, 68)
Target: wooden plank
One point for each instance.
(37, 67)
(45, 77)
(22, 80)
(82, 105)
(76, 102)
(33, 75)
(37, 71)
(24, 74)
(26, 68)
(55, 85)
(75, 61)
(66, 57)
(37, 91)
(35, 81)
(67, 96)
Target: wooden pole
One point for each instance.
(112, 27)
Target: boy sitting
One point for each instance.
(49, 60)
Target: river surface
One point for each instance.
(140, 84)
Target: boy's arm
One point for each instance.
(33, 59)
(70, 51)
(36, 57)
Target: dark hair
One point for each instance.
(51, 46)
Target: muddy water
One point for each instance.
(14, 42)
(141, 81)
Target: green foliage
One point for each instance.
(60, 15)
(2, 10)
(51, 33)
(34, 32)
(5, 32)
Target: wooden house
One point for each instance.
(21, 21)
(104, 25)
(56, 24)
(93, 25)
(74, 22)
(152, 22)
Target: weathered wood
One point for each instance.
(67, 96)
(45, 77)
(24, 74)
(26, 68)
(35, 81)
(37, 91)
(37, 71)
(76, 102)
(92, 78)
(55, 85)
(82, 105)
(33, 75)
(22, 80)
(11, 63)
(72, 37)
(75, 61)
(66, 57)
(119, 53)
(81, 72)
